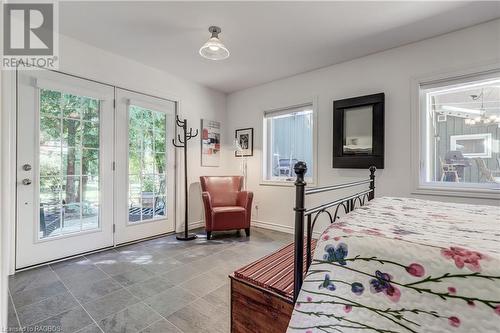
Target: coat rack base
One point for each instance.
(184, 237)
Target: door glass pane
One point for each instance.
(90, 162)
(50, 161)
(50, 131)
(68, 163)
(147, 164)
(71, 162)
(71, 218)
(160, 205)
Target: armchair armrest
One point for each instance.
(244, 199)
(207, 201)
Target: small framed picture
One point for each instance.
(244, 142)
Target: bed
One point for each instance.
(398, 265)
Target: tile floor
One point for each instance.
(160, 285)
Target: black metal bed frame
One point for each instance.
(312, 214)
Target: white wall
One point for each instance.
(390, 72)
(196, 101)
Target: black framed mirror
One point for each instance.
(358, 132)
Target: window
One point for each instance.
(147, 161)
(460, 133)
(288, 138)
(472, 145)
(69, 163)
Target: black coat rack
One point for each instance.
(182, 143)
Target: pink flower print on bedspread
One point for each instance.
(464, 258)
(416, 270)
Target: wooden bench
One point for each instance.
(262, 293)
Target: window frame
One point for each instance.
(311, 181)
(419, 131)
(484, 136)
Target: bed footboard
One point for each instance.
(311, 215)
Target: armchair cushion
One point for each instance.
(229, 209)
(227, 218)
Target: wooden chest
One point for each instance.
(257, 310)
(262, 293)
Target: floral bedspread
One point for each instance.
(405, 265)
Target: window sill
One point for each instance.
(464, 192)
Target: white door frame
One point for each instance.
(31, 249)
(124, 230)
(8, 144)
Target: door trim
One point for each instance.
(123, 99)
(8, 148)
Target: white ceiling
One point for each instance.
(267, 41)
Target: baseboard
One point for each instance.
(273, 226)
(196, 225)
(279, 227)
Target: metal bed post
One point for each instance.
(371, 195)
(300, 169)
(309, 240)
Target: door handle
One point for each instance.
(26, 167)
(26, 181)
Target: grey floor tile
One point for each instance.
(31, 279)
(90, 274)
(109, 304)
(220, 297)
(165, 242)
(89, 290)
(150, 287)
(117, 266)
(170, 300)
(103, 256)
(73, 266)
(229, 266)
(199, 316)
(132, 248)
(203, 284)
(182, 274)
(160, 263)
(68, 321)
(161, 326)
(207, 263)
(134, 276)
(26, 297)
(132, 319)
(194, 254)
(152, 271)
(12, 321)
(92, 328)
(49, 307)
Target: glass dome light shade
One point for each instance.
(213, 49)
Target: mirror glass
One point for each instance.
(358, 130)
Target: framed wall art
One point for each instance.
(210, 143)
(244, 142)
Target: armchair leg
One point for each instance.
(247, 231)
(209, 234)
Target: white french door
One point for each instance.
(64, 166)
(145, 166)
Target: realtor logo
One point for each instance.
(29, 35)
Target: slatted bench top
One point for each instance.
(273, 272)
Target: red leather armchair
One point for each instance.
(227, 207)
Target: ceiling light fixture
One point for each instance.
(213, 49)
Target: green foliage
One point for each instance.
(68, 126)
